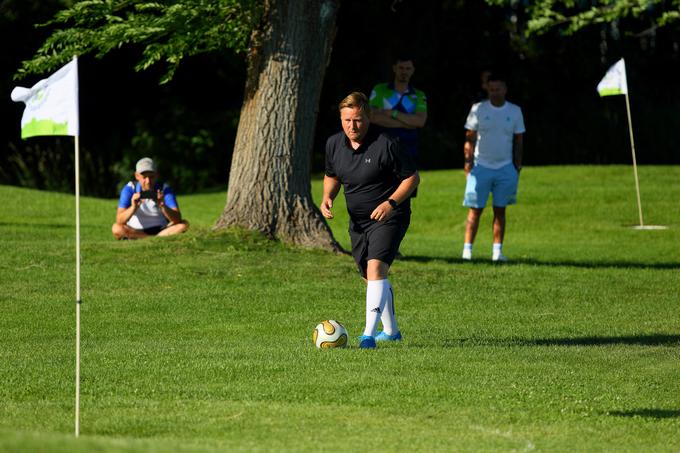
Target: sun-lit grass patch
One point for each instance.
(203, 341)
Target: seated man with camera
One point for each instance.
(147, 207)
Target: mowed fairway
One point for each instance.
(203, 342)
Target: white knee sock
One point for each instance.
(388, 318)
(375, 304)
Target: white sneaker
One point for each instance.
(467, 254)
(499, 258)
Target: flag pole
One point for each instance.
(632, 147)
(48, 117)
(78, 260)
(78, 301)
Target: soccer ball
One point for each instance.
(330, 334)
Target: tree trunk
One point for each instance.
(269, 183)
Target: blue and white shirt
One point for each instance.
(149, 214)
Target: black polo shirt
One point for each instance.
(369, 174)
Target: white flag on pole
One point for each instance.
(614, 81)
(51, 104)
(52, 109)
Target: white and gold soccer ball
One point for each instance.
(329, 334)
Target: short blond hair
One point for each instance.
(356, 100)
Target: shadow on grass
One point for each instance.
(28, 225)
(632, 340)
(647, 413)
(535, 262)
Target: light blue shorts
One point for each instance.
(502, 183)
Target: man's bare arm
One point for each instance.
(469, 150)
(385, 210)
(124, 214)
(172, 214)
(331, 187)
(517, 150)
(395, 118)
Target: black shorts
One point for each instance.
(153, 231)
(375, 240)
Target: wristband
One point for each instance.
(394, 114)
(392, 203)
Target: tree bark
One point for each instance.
(269, 182)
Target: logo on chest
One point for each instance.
(367, 160)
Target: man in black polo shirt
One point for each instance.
(378, 177)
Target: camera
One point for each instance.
(151, 194)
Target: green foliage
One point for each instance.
(168, 32)
(47, 163)
(203, 342)
(180, 168)
(573, 15)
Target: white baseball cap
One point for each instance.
(145, 164)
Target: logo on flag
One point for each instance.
(51, 104)
(614, 81)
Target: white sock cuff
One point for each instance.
(378, 283)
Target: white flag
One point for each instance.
(614, 81)
(51, 104)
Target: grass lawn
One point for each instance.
(203, 342)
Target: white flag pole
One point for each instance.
(78, 301)
(57, 114)
(632, 146)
